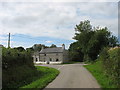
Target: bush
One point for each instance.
(111, 64)
(47, 75)
(18, 68)
(97, 71)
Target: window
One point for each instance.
(57, 60)
(50, 59)
(36, 60)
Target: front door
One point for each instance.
(48, 62)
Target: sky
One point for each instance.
(52, 22)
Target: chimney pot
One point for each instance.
(63, 46)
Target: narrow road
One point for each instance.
(73, 76)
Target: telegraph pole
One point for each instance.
(9, 41)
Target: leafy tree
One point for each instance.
(30, 49)
(113, 41)
(97, 42)
(20, 49)
(75, 53)
(84, 26)
(38, 47)
(90, 41)
(53, 45)
(83, 34)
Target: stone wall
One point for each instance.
(52, 57)
(36, 58)
(65, 56)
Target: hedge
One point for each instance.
(111, 64)
(17, 68)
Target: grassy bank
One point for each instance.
(97, 72)
(46, 76)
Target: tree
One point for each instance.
(53, 45)
(75, 53)
(113, 41)
(92, 40)
(83, 34)
(20, 49)
(38, 47)
(30, 49)
(84, 26)
(99, 40)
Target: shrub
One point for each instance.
(18, 68)
(111, 64)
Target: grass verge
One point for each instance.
(97, 72)
(46, 76)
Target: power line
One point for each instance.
(34, 38)
(27, 37)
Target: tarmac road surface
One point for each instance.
(73, 76)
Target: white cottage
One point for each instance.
(55, 55)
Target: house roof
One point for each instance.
(52, 50)
(1, 45)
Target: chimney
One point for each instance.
(63, 46)
(42, 48)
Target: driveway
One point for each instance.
(73, 76)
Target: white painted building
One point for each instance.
(51, 56)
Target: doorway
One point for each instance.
(48, 62)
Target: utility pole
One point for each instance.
(9, 41)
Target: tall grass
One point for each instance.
(97, 71)
(47, 75)
(111, 64)
(107, 68)
(19, 71)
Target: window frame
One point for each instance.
(57, 60)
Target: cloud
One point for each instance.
(59, 0)
(48, 41)
(3, 38)
(5, 43)
(54, 19)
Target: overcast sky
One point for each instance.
(52, 22)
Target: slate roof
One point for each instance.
(1, 45)
(52, 50)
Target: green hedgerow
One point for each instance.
(111, 64)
